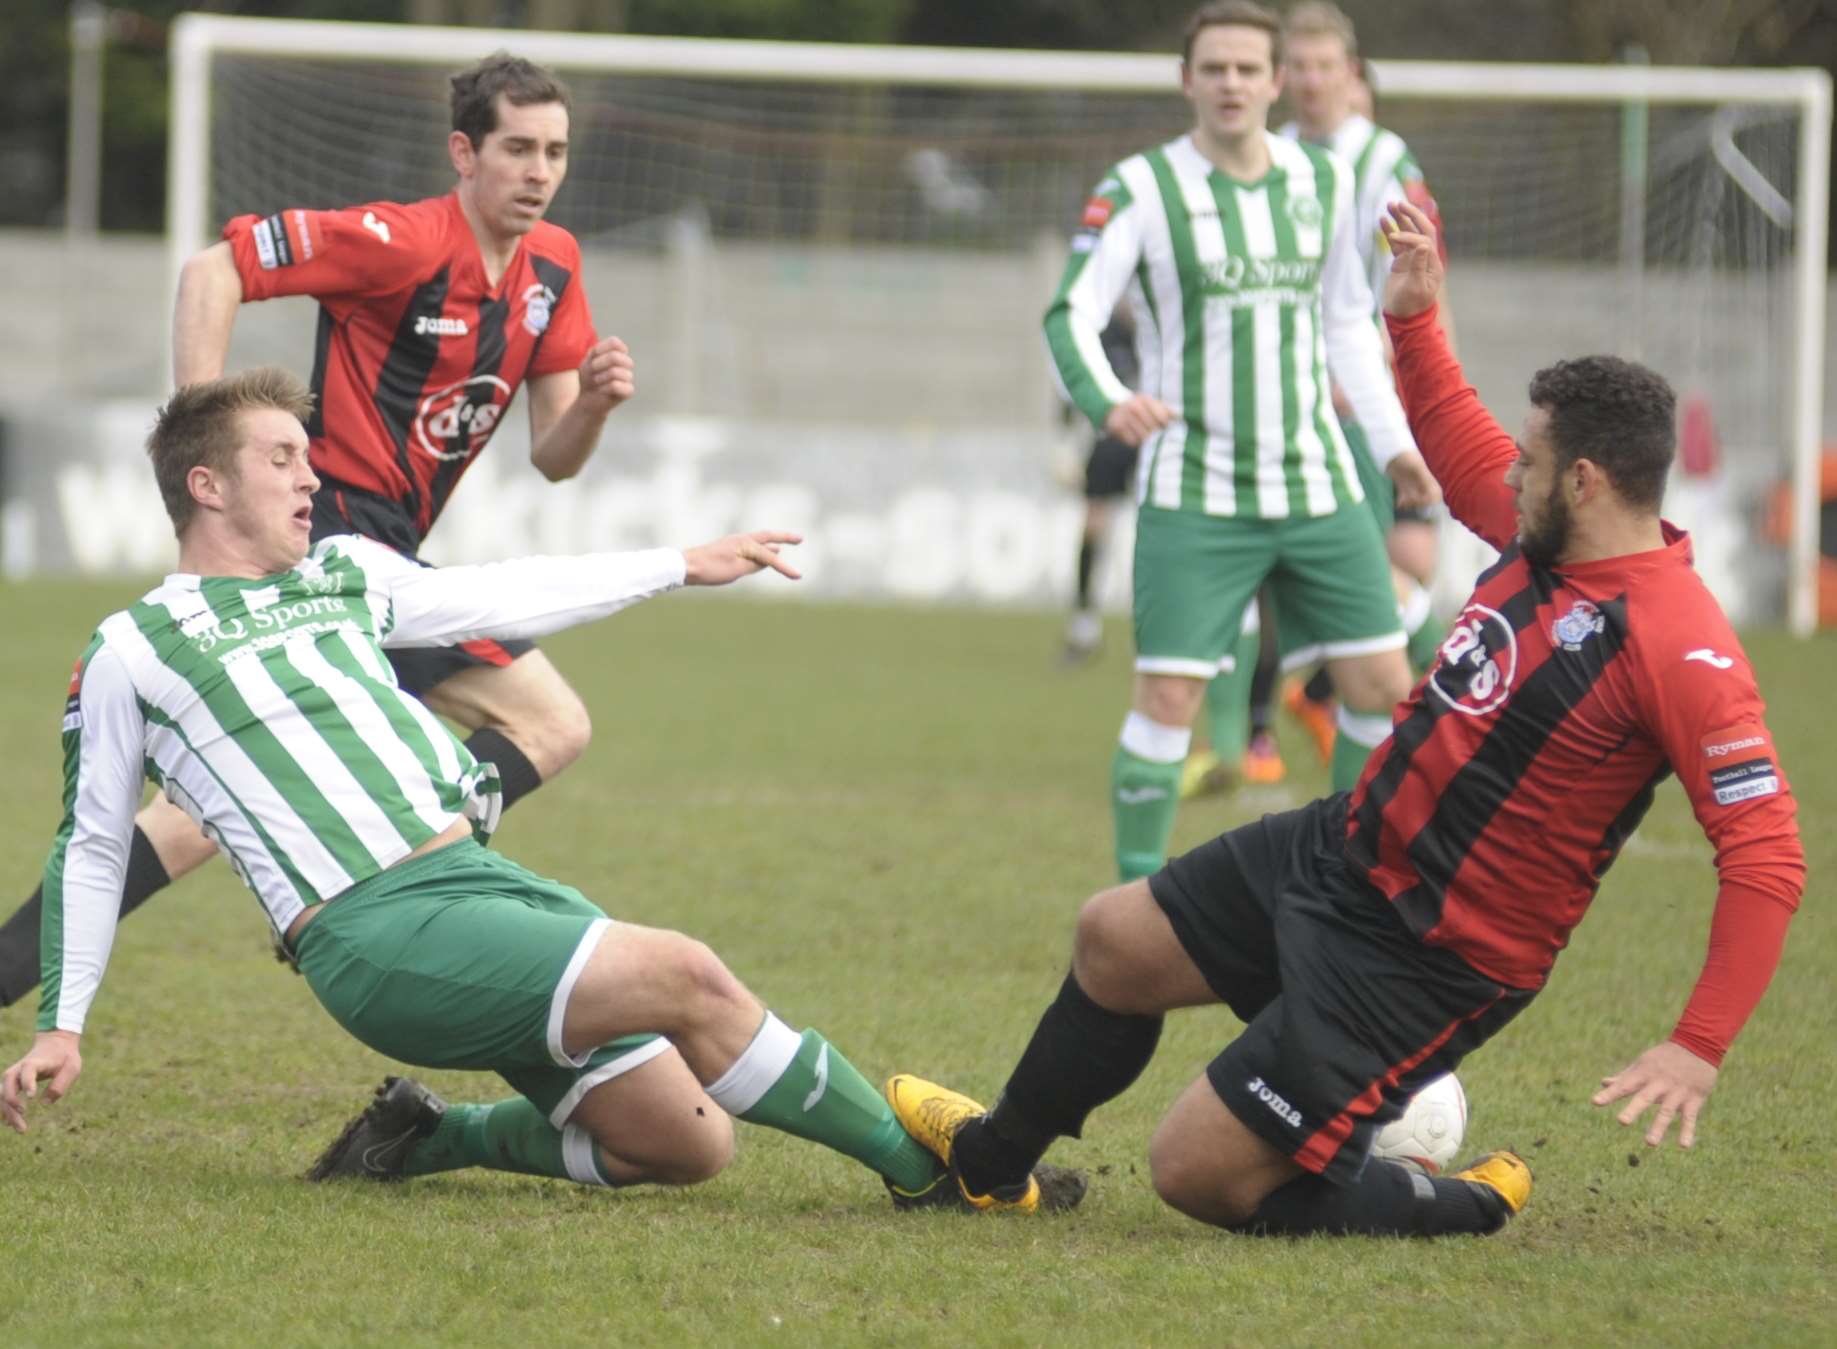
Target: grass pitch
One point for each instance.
(884, 821)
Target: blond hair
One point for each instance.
(200, 426)
(1320, 18)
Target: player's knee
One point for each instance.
(1101, 950)
(704, 987)
(701, 1153)
(1189, 1180)
(559, 734)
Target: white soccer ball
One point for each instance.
(1430, 1132)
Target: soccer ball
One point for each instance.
(1430, 1132)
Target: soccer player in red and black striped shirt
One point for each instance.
(432, 315)
(1372, 939)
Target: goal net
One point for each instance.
(831, 263)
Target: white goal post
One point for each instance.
(1785, 269)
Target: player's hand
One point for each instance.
(53, 1055)
(737, 555)
(1416, 487)
(1668, 1076)
(1417, 271)
(606, 373)
(1136, 418)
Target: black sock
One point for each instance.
(1320, 688)
(19, 971)
(1081, 1055)
(1388, 1200)
(1263, 690)
(517, 776)
(1087, 560)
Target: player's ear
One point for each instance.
(205, 485)
(460, 150)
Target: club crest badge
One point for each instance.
(1582, 621)
(538, 303)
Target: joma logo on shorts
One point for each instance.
(1283, 1109)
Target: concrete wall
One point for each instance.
(856, 377)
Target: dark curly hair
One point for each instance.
(1614, 413)
(475, 92)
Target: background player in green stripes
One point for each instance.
(1323, 81)
(253, 688)
(1236, 249)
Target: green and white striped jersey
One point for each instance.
(1384, 171)
(266, 711)
(1245, 297)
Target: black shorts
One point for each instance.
(1110, 471)
(1347, 1012)
(341, 509)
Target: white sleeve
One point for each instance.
(104, 750)
(1355, 352)
(1104, 256)
(528, 597)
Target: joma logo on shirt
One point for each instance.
(1237, 274)
(274, 618)
(439, 327)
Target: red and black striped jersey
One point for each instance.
(417, 356)
(1560, 700)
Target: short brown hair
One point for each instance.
(1321, 18)
(1237, 14)
(475, 92)
(200, 426)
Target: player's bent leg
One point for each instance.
(1127, 959)
(1369, 686)
(1207, 1165)
(752, 1065)
(656, 1124)
(524, 716)
(1145, 770)
(165, 846)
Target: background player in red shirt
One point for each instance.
(432, 315)
(1373, 938)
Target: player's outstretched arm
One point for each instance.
(210, 292)
(1668, 1076)
(737, 555)
(536, 596)
(53, 1059)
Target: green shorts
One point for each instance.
(1380, 492)
(463, 959)
(1329, 580)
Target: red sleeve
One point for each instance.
(361, 250)
(570, 332)
(1466, 450)
(1746, 936)
(1704, 708)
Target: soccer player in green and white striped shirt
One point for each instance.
(252, 688)
(1236, 250)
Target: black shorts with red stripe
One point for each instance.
(1347, 1013)
(341, 509)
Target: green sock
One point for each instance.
(1359, 734)
(1425, 640)
(1228, 702)
(801, 1085)
(510, 1135)
(1144, 795)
